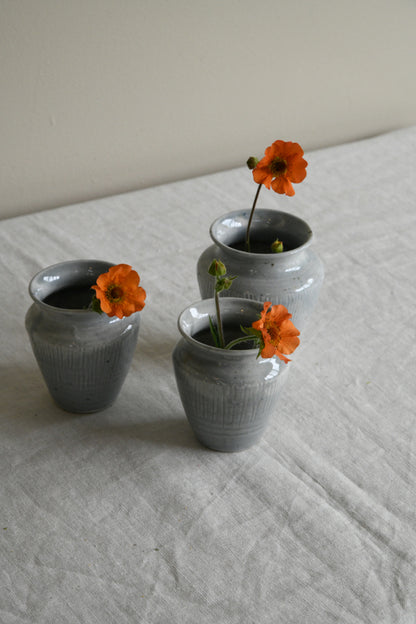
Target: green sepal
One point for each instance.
(95, 305)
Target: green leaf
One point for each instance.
(214, 333)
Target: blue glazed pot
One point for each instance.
(83, 356)
(292, 278)
(228, 395)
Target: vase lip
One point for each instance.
(259, 216)
(43, 282)
(203, 309)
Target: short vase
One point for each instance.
(84, 356)
(293, 277)
(228, 395)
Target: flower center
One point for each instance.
(278, 166)
(114, 293)
(273, 333)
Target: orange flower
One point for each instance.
(119, 292)
(282, 164)
(278, 332)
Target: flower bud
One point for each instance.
(217, 268)
(224, 283)
(277, 246)
(252, 162)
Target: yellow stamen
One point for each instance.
(114, 293)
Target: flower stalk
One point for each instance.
(251, 217)
(219, 321)
(222, 282)
(237, 341)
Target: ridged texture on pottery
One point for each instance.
(292, 278)
(85, 379)
(227, 417)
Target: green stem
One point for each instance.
(251, 218)
(238, 340)
(219, 321)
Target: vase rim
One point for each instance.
(270, 214)
(40, 286)
(208, 309)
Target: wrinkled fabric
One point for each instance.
(121, 516)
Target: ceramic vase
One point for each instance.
(83, 356)
(228, 395)
(292, 278)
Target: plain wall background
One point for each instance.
(100, 97)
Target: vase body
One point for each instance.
(292, 278)
(83, 356)
(228, 395)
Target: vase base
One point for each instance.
(228, 444)
(81, 410)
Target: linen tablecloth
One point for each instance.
(122, 516)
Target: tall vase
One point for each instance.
(83, 356)
(228, 395)
(292, 278)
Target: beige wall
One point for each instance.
(104, 96)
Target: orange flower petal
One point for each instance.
(283, 357)
(276, 149)
(262, 176)
(283, 186)
(268, 351)
(279, 314)
(297, 173)
(293, 150)
(131, 279)
(119, 271)
(102, 281)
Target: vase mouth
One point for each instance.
(65, 275)
(266, 226)
(195, 318)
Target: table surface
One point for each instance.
(121, 516)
